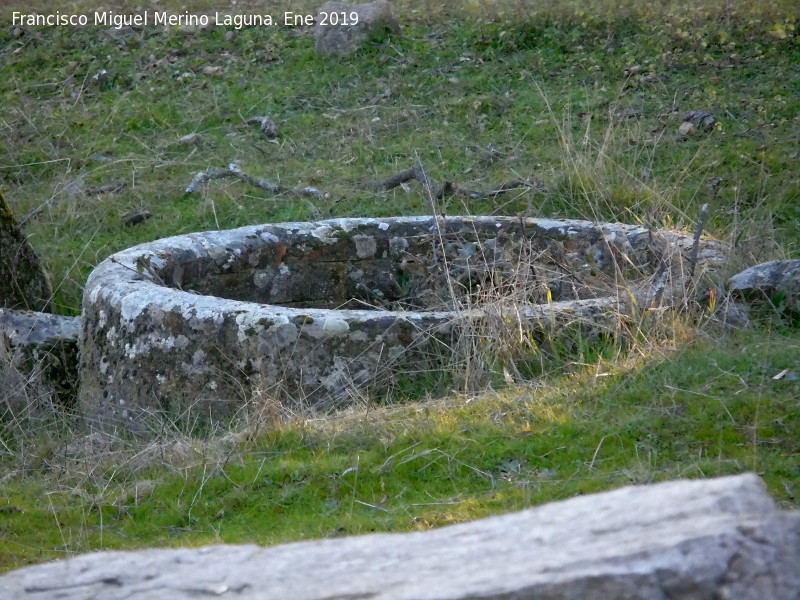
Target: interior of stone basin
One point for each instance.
(423, 264)
(316, 312)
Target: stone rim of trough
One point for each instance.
(120, 277)
(147, 348)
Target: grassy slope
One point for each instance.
(543, 90)
(454, 88)
(702, 411)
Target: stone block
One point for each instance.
(343, 28)
(720, 539)
(763, 281)
(314, 314)
(39, 350)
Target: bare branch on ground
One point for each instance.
(233, 170)
(435, 190)
(448, 188)
(701, 223)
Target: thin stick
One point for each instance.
(596, 450)
(449, 188)
(701, 223)
(233, 170)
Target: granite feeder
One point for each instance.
(319, 313)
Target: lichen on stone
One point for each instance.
(312, 311)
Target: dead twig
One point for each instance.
(516, 184)
(448, 188)
(416, 172)
(701, 223)
(433, 189)
(109, 188)
(233, 170)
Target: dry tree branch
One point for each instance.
(436, 191)
(508, 186)
(449, 188)
(233, 170)
(416, 172)
(701, 223)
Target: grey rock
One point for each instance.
(23, 282)
(190, 139)
(734, 314)
(763, 281)
(694, 540)
(43, 348)
(341, 39)
(122, 32)
(90, 445)
(687, 128)
(699, 118)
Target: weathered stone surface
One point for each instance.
(734, 314)
(699, 118)
(338, 34)
(23, 282)
(41, 347)
(721, 539)
(763, 281)
(192, 325)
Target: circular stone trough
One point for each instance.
(192, 327)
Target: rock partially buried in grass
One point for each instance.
(267, 125)
(693, 540)
(317, 314)
(190, 139)
(343, 28)
(687, 128)
(767, 280)
(700, 119)
(44, 349)
(733, 314)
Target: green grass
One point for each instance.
(711, 408)
(540, 91)
(542, 88)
